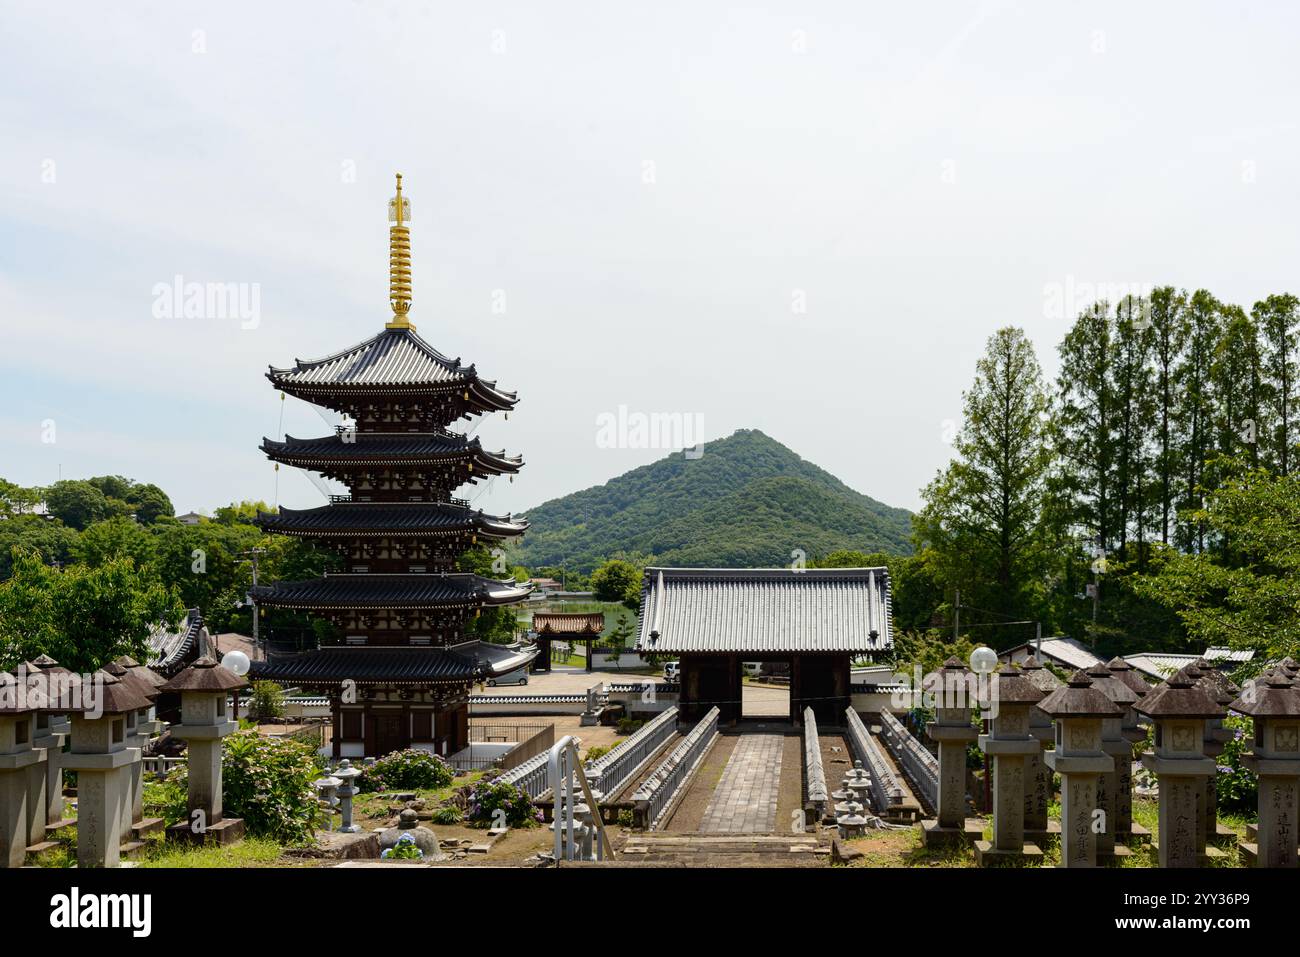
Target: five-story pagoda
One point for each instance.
(402, 674)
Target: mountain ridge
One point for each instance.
(746, 501)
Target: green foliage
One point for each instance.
(487, 798)
(404, 850)
(267, 782)
(267, 701)
(51, 540)
(411, 769)
(448, 814)
(81, 616)
(167, 799)
(1246, 594)
(1237, 786)
(618, 580)
(747, 501)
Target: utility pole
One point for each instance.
(253, 554)
(956, 615)
(1038, 640)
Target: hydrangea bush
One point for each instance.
(494, 802)
(410, 769)
(1236, 786)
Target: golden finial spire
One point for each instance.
(399, 258)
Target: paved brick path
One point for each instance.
(745, 801)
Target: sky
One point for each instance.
(805, 218)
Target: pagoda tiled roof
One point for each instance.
(569, 623)
(382, 448)
(395, 360)
(389, 518)
(334, 664)
(366, 591)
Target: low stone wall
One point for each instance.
(609, 773)
(814, 776)
(655, 799)
(526, 704)
(918, 764)
(887, 793)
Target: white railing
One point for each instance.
(886, 790)
(812, 763)
(532, 776)
(574, 838)
(612, 770)
(654, 797)
(920, 766)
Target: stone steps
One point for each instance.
(148, 825)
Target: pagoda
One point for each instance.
(401, 676)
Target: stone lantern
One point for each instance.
(140, 727)
(952, 730)
(1224, 692)
(346, 774)
(1115, 787)
(1180, 708)
(1010, 745)
(1132, 731)
(102, 758)
(1273, 703)
(45, 791)
(205, 720)
(1079, 710)
(17, 757)
(1038, 776)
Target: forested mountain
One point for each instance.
(747, 501)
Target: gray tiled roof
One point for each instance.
(169, 649)
(366, 665)
(387, 518)
(765, 610)
(388, 448)
(390, 591)
(394, 359)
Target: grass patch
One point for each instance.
(250, 852)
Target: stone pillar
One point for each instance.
(1079, 710)
(1039, 778)
(1010, 745)
(147, 727)
(100, 756)
(1273, 703)
(953, 732)
(1222, 689)
(1179, 708)
(347, 774)
(205, 720)
(45, 795)
(1133, 733)
(1114, 787)
(17, 758)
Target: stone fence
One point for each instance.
(656, 798)
(533, 776)
(886, 789)
(918, 764)
(609, 773)
(814, 775)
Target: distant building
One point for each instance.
(1068, 654)
(546, 584)
(1159, 665)
(190, 518)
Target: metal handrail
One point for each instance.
(563, 766)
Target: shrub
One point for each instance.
(168, 799)
(268, 701)
(487, 798)
(1237, 787)
(265, 781)
(447, 815)
(404, 850)
(411, 769)
(628, 725)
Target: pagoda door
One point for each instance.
(388, 734)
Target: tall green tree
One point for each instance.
(1278, 318)
(1132, 386)
(983, 516)
(1169, 334)
(1197, 411)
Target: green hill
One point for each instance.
(748, 501)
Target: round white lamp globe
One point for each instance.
(983, 660)
(237, 662)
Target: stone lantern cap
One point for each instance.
(1079, 699)
(1125, 672)
(140, 671)
(146, 688)
(955, 665)
(1216, 683)
(205, 674)
(1105, 681)
(10, 697)
(1012, 687)
(1290, 666)
(1040, 677)
(1181, 696)
(118, 697)
(1273, 695)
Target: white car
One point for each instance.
(517, 677)
(673, 671)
